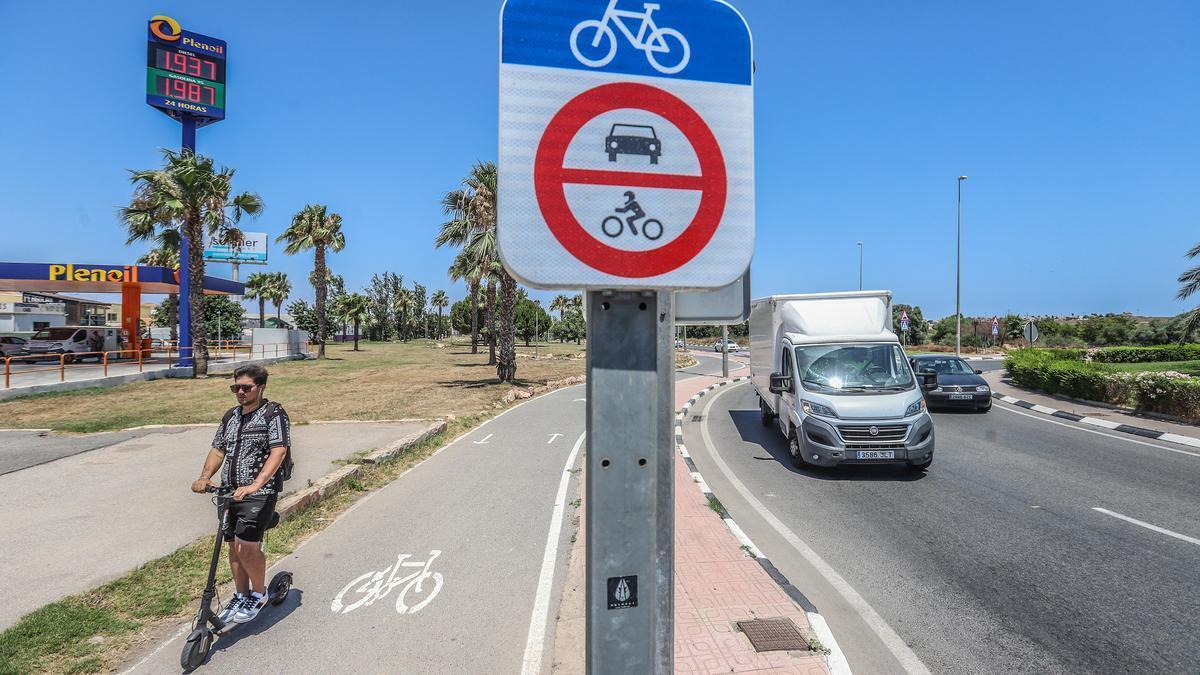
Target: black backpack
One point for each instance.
(284, 472)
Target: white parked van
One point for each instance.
(830, 370)
(76, 342)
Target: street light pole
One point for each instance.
(860, 265)
(958, 278)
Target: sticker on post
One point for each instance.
(622, 592)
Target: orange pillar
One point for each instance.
(131, 310)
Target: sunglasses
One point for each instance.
(235, 388)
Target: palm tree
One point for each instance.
(166, 255)
(472, 225)
(560, 304)
(278, 291)
(356, 307)
(192, 197)
(466, 268)
(258, 287)
(1191, 282)
(404, 304)
(314, 227)
(441, 301)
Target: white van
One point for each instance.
(73, 340)
(830, 370)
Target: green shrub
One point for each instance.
(1062, 371)
(1189, 352)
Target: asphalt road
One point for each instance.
(486, 504)
(995, 560)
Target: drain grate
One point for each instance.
(697, 418)
(773, 635)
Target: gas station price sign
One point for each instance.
(185, 71)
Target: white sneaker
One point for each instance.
(235, 603)
(249, 608)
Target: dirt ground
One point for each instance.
(421, 378)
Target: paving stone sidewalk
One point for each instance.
(717, 583)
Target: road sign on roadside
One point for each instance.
(904, 321)
(995, 325)
(1031, 332)
(626, 144)
(720, 307)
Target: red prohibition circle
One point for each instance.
(550, 178)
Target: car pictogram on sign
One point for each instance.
(633, 139)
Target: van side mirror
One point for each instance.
(928, 380)
(780, 383)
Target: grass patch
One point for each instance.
(684, 360)
(716, 505)
(418, 379)
(95, 630)
(748, 551)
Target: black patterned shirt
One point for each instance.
(246, 440)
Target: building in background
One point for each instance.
(28, 311)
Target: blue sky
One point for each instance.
(1076, 122)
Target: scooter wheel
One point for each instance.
(279, 587)
(195, 651)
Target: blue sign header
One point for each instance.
(704, 40)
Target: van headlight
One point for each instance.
(811, 408)
(983, 389)
(918, 406)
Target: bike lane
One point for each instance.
(483, 506)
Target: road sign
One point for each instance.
(904, 320)
(721, 307)
(626, 144)
(995, 326)
(1031, 332)
(185, 72)
(251, 250)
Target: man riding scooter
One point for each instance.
(250, 446)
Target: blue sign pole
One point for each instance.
(185, 269)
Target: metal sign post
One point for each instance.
(725, 351)
(627, 169)
(630, 489)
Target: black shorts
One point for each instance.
(248, 519)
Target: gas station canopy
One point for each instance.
(71, 277)
(128, 280)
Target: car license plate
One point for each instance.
(877, 454)
(961, 397)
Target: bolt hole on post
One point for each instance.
(594, 43)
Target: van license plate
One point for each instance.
(961, 397)
(877, 454)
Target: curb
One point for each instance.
(330, 482)
(1103, 424)
(405, 442)
(835, 660)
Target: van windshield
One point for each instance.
(853, 368)
(55, 334)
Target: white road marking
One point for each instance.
(553, 437)
(484, 441)
(878, 625)
(578, 400)
(372, 586)
(535, 644)
(1126, 438)
(1148, 526)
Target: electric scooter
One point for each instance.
(207, 623)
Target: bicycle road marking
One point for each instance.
(484, 440)
(373, 586)
(553, 437)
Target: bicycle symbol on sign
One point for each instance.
(649, 38)
(372, 586)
